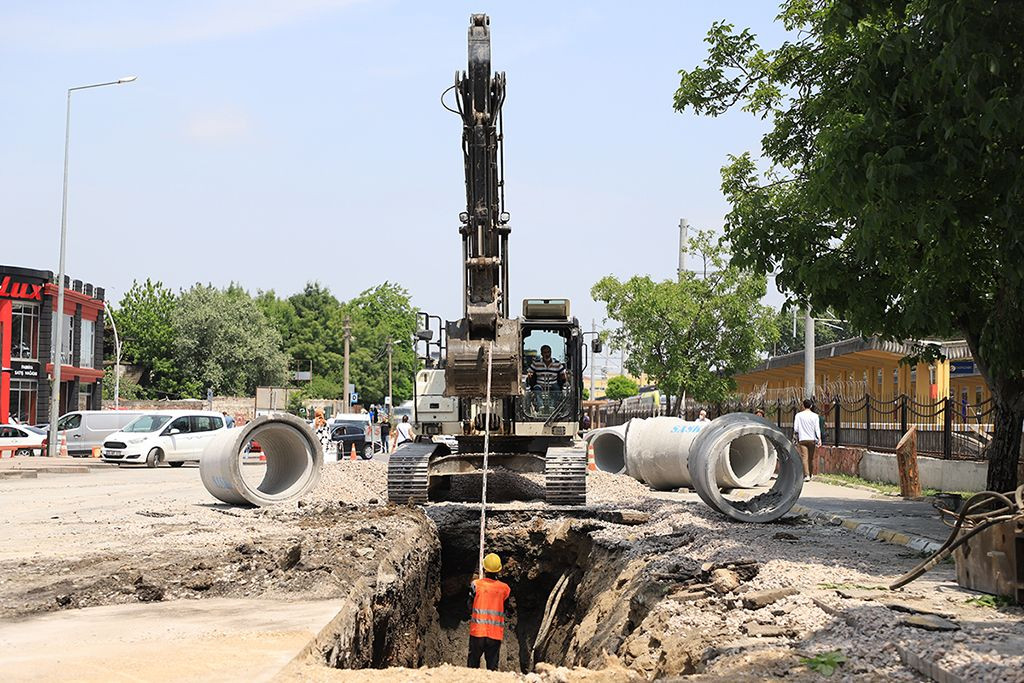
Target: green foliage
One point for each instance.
(621, 386)
(890, 189)
(825, 663)
(990, 601)
(380, 314)
(691, 335)
(322, 387)
(224, 342)
(128, 388)
(147, 337)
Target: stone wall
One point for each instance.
(242, 408)
(935, 473)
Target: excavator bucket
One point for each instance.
(466, 369)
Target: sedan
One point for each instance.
(346, 434)
(21, 439)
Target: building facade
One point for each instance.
(854, 367)
(28, 301)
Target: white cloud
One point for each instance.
(145, 24)
(218, 125)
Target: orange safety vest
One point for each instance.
(488, 618)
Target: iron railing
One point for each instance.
(945, 428)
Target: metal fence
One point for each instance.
(945, 428)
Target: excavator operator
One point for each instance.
(487, 621)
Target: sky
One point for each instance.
(276, 142)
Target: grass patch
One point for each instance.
(826, 663)
(881, 487)
(851, 481)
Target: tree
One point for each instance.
(892, 189)
(380, 314)
(620, 386)
(311, 325)
(147, 336)
(224, 342)
(693, 334)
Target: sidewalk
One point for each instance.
(914, 524)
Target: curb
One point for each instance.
(872, 531)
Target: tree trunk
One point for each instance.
(906, 462)
(1004, 450)
(679, 403)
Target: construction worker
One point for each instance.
(487, 621)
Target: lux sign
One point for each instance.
(20, 290)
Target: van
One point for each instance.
(171, 436)
(88, 429)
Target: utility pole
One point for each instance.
(808, 354)
(593, 358)
(391, 394)
(348, 335)
(683, 231)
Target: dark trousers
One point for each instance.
(488, 647)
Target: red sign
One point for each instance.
(20, 290)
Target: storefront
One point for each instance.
(28, 299)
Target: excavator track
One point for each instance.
(408, 478)
(565, 476)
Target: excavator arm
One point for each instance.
(484, 229)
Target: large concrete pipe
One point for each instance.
(609, 445)
(294, 461)
(715, 442)
(657, 451)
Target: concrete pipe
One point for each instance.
(609, 448)
(294, 461)
(657, 451)
(716, 442)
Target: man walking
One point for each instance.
(807, 434)
(403, 434)
(487, 621)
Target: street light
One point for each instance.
(117, 352)
(58, 332)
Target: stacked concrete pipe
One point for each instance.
(735, 451)
(294, 461)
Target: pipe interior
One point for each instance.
(289, 463)
(747, 455)
(609, 452)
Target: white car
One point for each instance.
(21, 439)
(171, 436)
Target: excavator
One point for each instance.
(529, 366)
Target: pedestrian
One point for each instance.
(320, 428)
(759, 412)
(586, 421)
(807, 434)
(703, 416)
(403, 433)
(487, 620)
(228, 420)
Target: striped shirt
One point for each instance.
(547, 376)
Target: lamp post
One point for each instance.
(117, 353)
(58, 323)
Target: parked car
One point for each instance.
(345, 433)
(171, 436)
(88, 429)
(26, 440)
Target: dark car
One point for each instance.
(345, 434)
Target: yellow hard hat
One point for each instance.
(492, 563)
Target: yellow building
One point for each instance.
(853, 367)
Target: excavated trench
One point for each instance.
(573, 596)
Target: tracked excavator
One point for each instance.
(535, 361)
